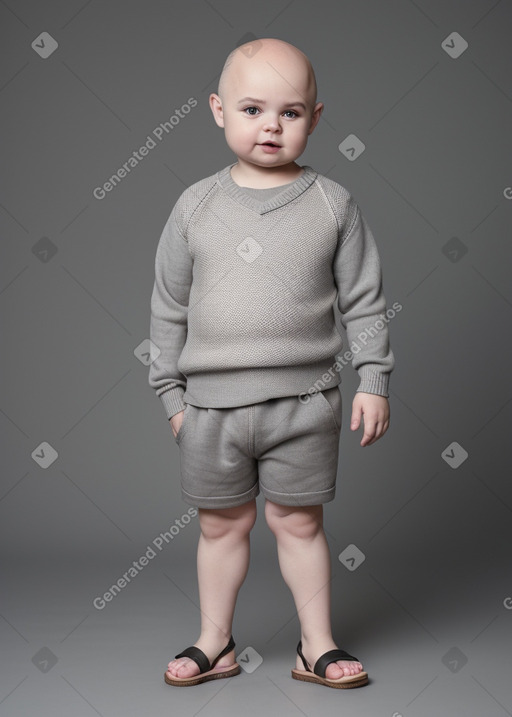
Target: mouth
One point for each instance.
(270, 144)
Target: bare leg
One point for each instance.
(305, 563)
(222, 564)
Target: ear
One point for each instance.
(316, 116)
(216, 108)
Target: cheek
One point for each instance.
(299, 135)
(238, 130)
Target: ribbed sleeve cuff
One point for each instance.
(172, 401)
(373, 380)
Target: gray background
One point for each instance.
(76, 277)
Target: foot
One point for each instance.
(185, 667)
(313, 649)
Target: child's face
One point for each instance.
(279, 110)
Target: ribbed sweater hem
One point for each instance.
(246, 386)
(241, 387)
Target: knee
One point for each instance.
(236, 522)
(299, 522)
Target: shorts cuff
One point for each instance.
(220, 501)
(299, 499)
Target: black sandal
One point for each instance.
(207, 671)
(318, 673)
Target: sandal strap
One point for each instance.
(196, 654)
(201, 660)
(230, 646)
(331, 656)
(325, 659)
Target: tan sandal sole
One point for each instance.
(345, 682)
(215, 674)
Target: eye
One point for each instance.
(291, 112)
(250, 108)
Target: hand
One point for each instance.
(176, 422)
(376, 416)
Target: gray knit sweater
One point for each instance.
(242, 304)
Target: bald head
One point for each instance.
(272, 58)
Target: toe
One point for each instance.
(333, 671)
(183, 667)
(350, 668)
(172, 667)
(342, 668)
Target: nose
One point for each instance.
(272, 124)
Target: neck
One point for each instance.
(250, 175)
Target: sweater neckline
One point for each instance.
(291, 191)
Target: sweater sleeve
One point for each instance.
(357, 273)
(169, 312)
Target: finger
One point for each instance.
(372, 430)
(368, 435)
(355, 419)
(379, 430)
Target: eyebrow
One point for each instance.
(262, 102)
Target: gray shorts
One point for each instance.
(287, 446)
